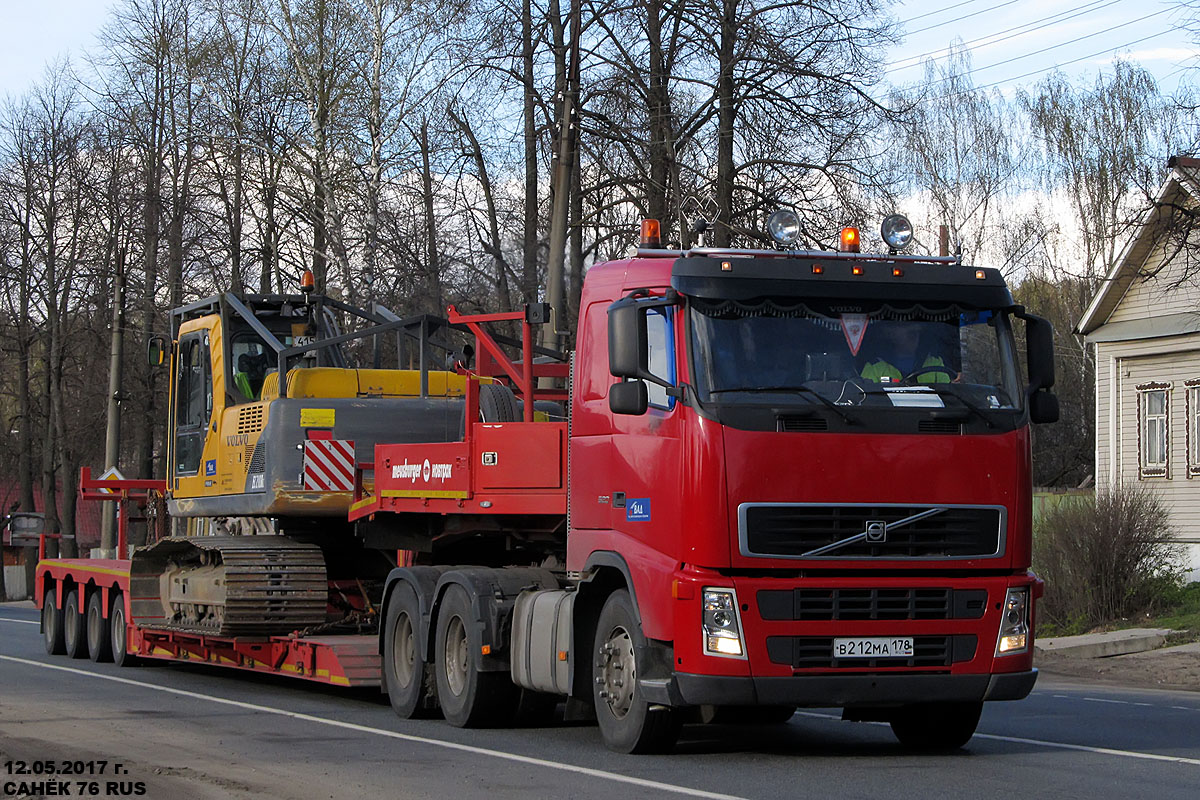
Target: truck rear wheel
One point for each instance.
(74, 635)
(118, 633)
(408, 685)
(99, 641)
(628, 724)
(936, 726)
(469, 698)
(52, 624)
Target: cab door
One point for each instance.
(193, 413)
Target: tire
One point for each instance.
(52, 624)
(469, 698)
(746, 715)
(497, 403)
(628, 724)
(99, 635)
(936, 726)
(410, 687)
(74, 635)
(118, 633)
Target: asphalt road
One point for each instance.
(200, 732)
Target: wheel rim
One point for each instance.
(71, 621)
(457, 657)
(617, 671)
(118, 628)
(95, 626)
(403, 650)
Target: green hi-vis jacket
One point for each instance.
(879, 369)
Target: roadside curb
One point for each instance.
(1103, 645)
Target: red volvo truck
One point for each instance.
(781, 479)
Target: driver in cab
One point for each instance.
(908, 357)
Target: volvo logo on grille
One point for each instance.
(876, 531)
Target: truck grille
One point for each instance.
(803, 530)
(815, 652)
(868, 604)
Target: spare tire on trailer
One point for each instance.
(497, 403)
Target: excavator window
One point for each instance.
(193, 398)
(251, 363)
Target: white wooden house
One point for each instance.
(1144, 324)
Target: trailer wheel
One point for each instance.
(936, 726)
(99, 642)
(118, 633)
(469, 698)
(52, 624)
(628, 724)
(74, 635)
(408, 687)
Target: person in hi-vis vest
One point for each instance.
(906, 358)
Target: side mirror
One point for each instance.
(1043, 407)
(628, 397)
(156, 351)
(628, 343)
(1039, 352)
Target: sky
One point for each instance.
(1035, 36)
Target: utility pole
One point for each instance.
(568, 133)
(112, 439)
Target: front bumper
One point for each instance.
(836, 691)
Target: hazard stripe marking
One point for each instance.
(329, 465)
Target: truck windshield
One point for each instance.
(853, 354)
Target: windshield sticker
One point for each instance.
(855, 327)
(914, 397)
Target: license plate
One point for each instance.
(874, 647)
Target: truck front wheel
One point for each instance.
(628, 724)
(408, 683)
(936, 726)
(469, 697)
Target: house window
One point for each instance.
(1191, 414)
(1154, 430)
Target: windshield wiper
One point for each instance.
(808, 390)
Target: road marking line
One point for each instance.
(20, 621)
(465, 748)
(1120, 702)
(1107, 751)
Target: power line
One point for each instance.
(965, 16)
(991, 39)
(939, 11)
(1064, 44)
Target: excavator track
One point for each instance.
(229, 585)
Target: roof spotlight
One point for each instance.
(897, 231)
(784, 227)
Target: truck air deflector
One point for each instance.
(747, 278)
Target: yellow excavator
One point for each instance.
(269, 414)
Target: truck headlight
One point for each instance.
(1014, 623)
(721, 625)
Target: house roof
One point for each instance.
(1182, 185)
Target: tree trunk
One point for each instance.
(529, 279)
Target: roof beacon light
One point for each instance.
(307, 282)
(897, 232)
(784, 227)
(849, 240)
(651, 234)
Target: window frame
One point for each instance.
(1146, 468)
(1191, 426)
